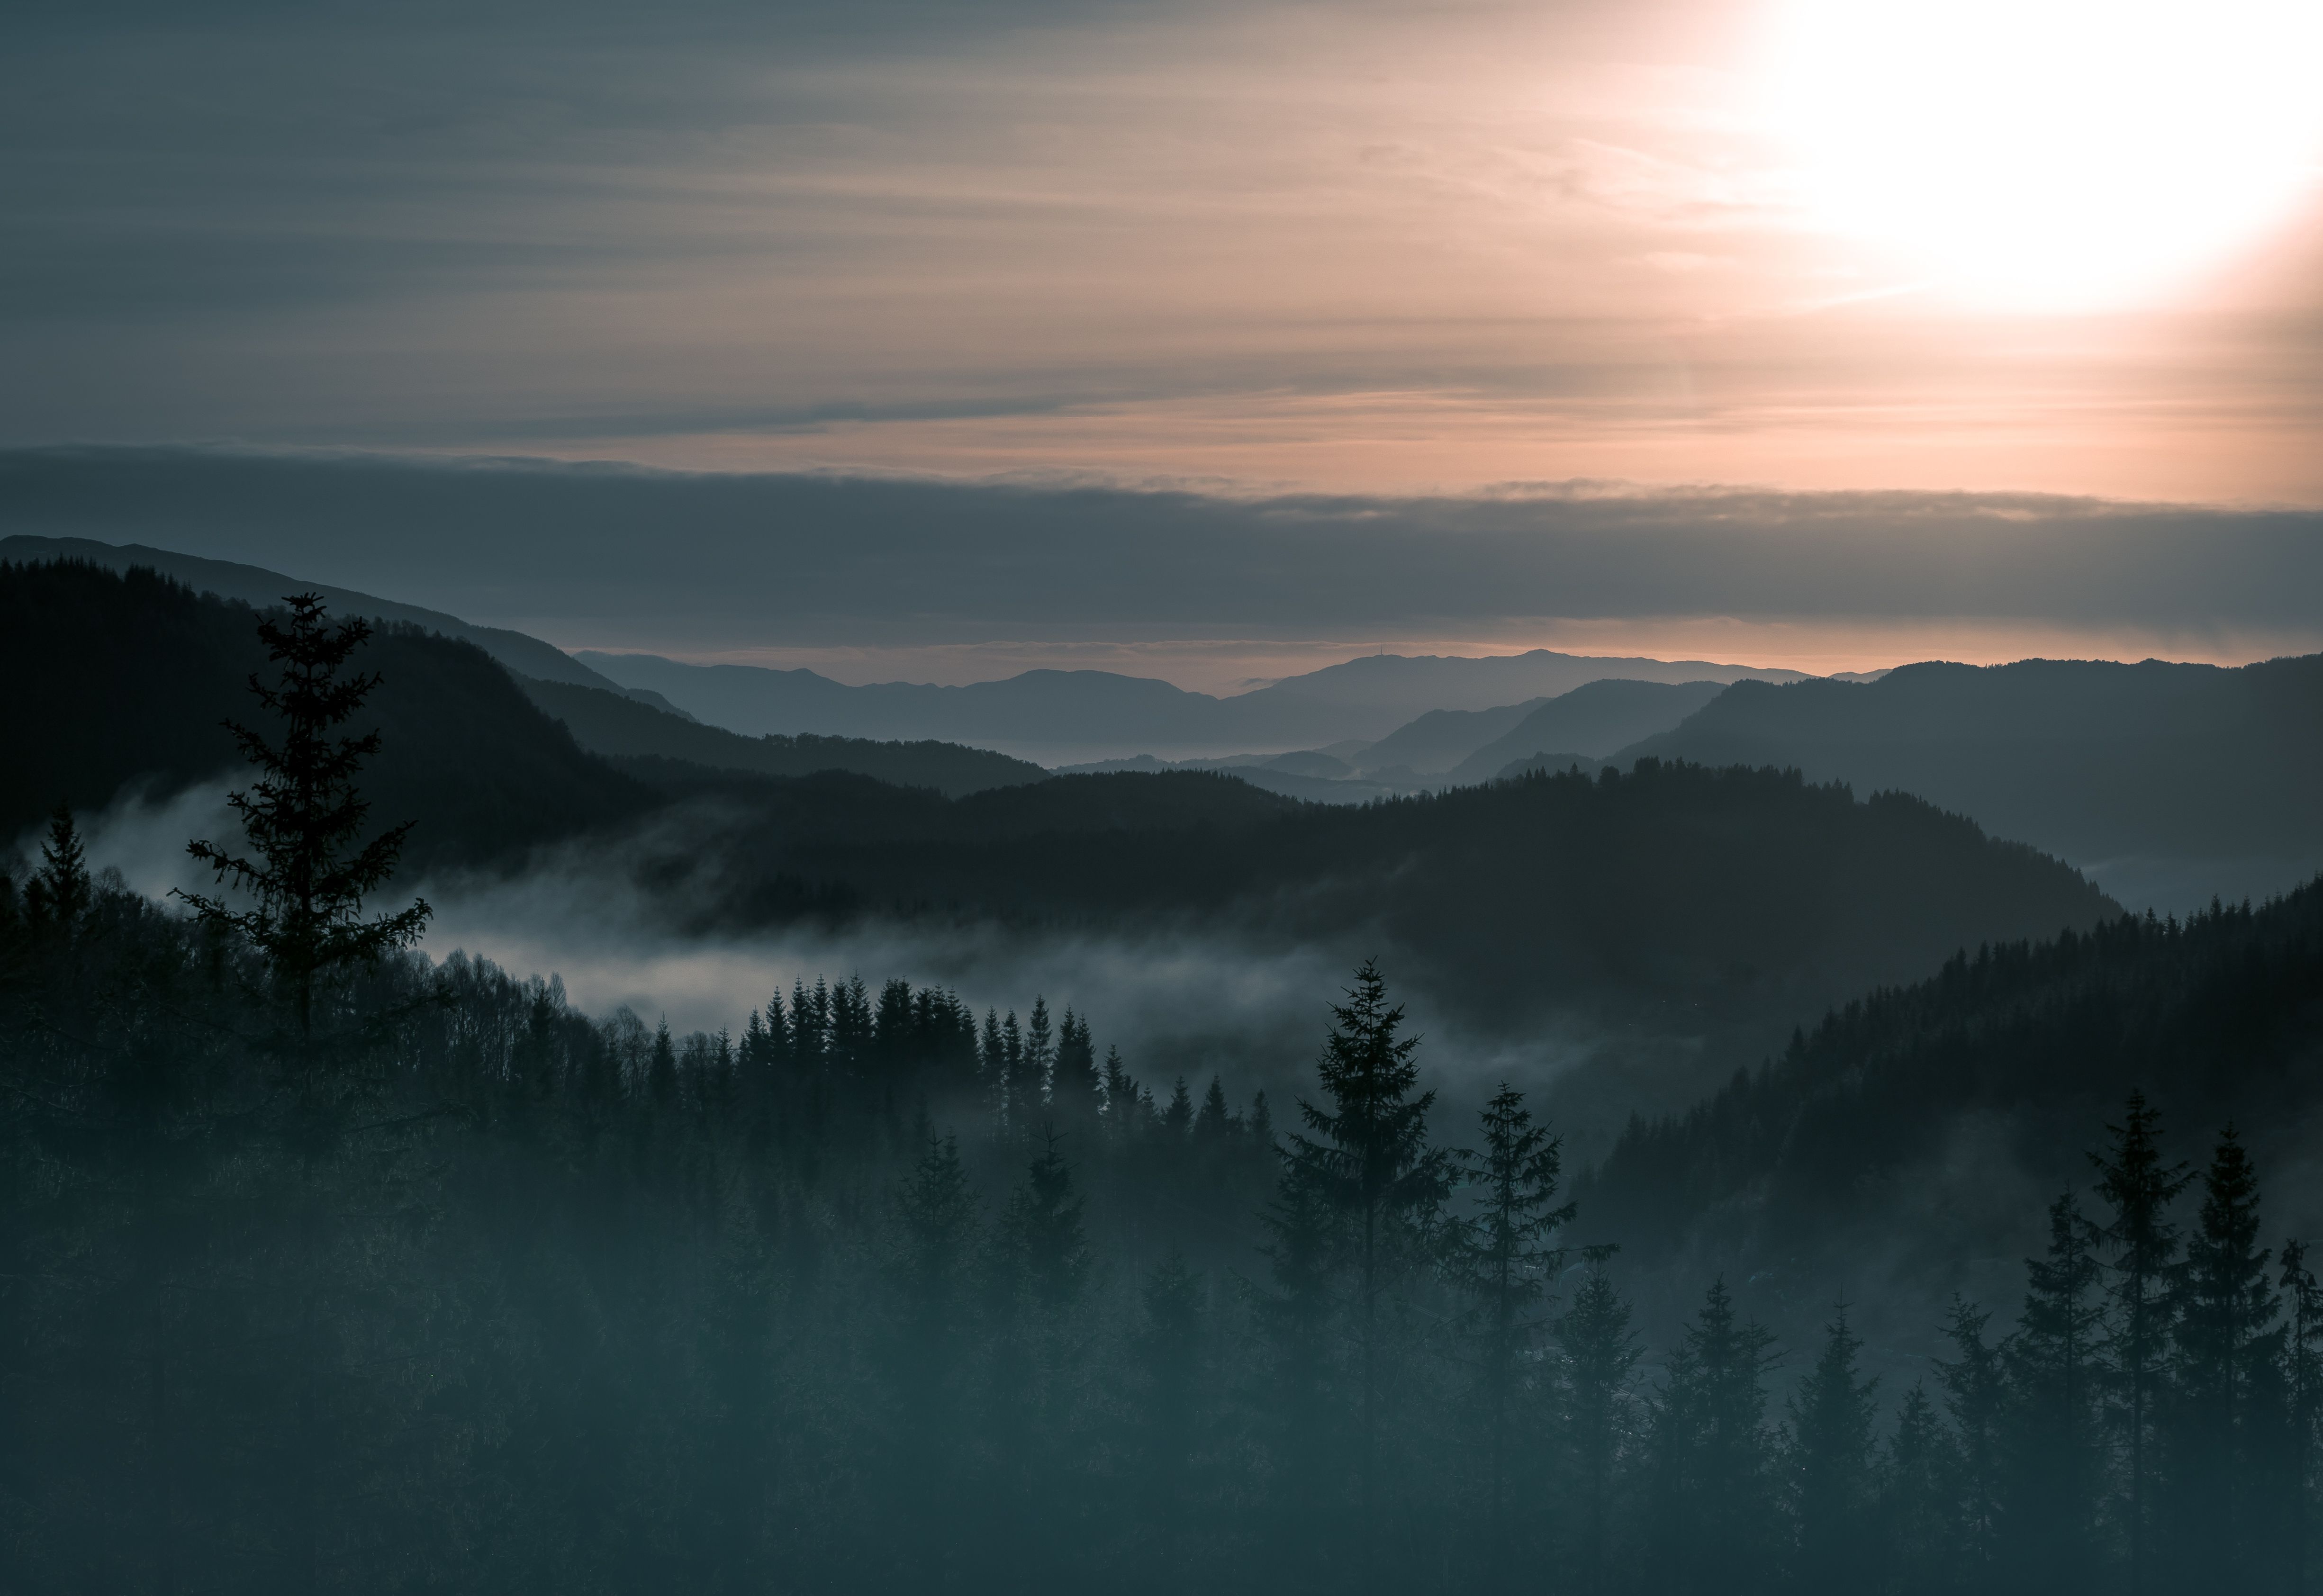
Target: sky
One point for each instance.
(1391, 254)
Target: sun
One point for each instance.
(2051, 153)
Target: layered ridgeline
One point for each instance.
(1062, 717)
(1688, 903)
(122, 680)
(2198, 778)
(1706, 895)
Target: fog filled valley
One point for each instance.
(1546, 1122)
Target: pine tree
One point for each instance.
(1214, 1122)
(2143, 1242)
(1829, 1458)
(1043, 1233)
(1501, 1257)
(1711, 1514)
(1077, 1094)
(1177, 1119)
(1917, 1516)
(2227, 1347)
(2057, 1372)
(1599, 1359)
(2303, 1401)
(302, 816)
(1975, 1396)
(1368, 1156)
(1122, 1098)
(58, 896)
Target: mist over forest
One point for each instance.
(535, 1132)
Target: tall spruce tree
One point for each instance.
(58, 896)
(2057, 1375)
(1500, 1255)
(1976, 1398)
(302, 816)
(1600, 1353)
(1369, 1158)
(1713, 1515)
(1917, 1520)
(304, 882)
(2226, 1346)
(1828, 1458)
(2302, 1373)
(2139, 1186)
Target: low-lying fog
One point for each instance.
(1174, 1003)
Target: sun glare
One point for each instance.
(2052, 153)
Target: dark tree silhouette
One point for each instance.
(1601, 1359)
(1501, 1257)
(2140, 1186)
(1370, 1161)
(302, 816)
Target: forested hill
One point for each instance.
(2091, 759)
(118, 678)
(1710, 893)
(1911, 1127)
(607, 723)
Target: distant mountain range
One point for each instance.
(2166, 782)
(1071, 717)
(603, 722)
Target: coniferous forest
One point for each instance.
(325, 1266)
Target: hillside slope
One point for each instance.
(608, 722)
(1592, 720)
(123, 678)
(1730, 893)
(262, 589)
(1918, 1132)
(2094, 761)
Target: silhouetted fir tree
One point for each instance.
(304, 885)
(2057, 1375)
(1300, 1319)
(1598, 1402)
(1976, 1399)
(2302, 1374)
(991, 1068)
(1499, 1256)
(1711, 1516)
(1039, 1267)
(1214, 1122)
(2224, 1405)
(1039, 1059)
(1262, 1122)
(1123, 1098)
(1368, 1155)
(1917, 1520)
(1043, 1231)
(1828, 1457)
(661, 1069)
(301, 818)
(57, 897)
(2140, 1186)
(1077, 1092)
(1177, 1118)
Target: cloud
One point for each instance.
(706, 563)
